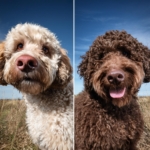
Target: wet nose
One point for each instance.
(115, 77)
(26, 63)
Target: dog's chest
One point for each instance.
(105, 127)
(115, 132)
(50, 123)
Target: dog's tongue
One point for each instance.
(117, 93)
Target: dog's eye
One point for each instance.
(126, 54)
(100, 56)
(20, 46)
(45, 49)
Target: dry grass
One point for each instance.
(145, 107)
(13, 131)
(14, 135)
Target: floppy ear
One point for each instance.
(146, 65)
(2, 63)
(64, 73)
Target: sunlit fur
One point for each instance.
(33, 37)
(132, 70)
(49, 91)
(104, 119)
(43, 76)
(2, 62)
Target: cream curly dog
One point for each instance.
(38, 67)
(2, 63)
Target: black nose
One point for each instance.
(115, 77)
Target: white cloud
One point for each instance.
(85, 39)
(104, 19)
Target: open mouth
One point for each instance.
(117, 92)
(27, 79)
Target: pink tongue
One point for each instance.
(117, 93)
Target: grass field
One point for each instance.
(13, 131)
(145, 107)
(14, 135)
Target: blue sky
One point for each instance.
(95, 17)
(56, 15)
(92, 18)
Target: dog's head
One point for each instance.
(2, 63)
(34, 59)
(115, 67)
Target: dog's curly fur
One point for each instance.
(107, 115)
(38, 67)
(2, 63)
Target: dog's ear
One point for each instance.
(82, 68)
(2, 63)
(64, 73)
(85, 70)
(146, 65)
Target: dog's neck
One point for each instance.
(51, 96)
(112, 110)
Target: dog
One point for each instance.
(107, 115)
(2, 63)
(37, 65)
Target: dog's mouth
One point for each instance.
(117, 92)
(27, 79)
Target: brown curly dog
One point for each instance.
(107, 115)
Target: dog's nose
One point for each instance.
(115, 77)
(26, 63)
